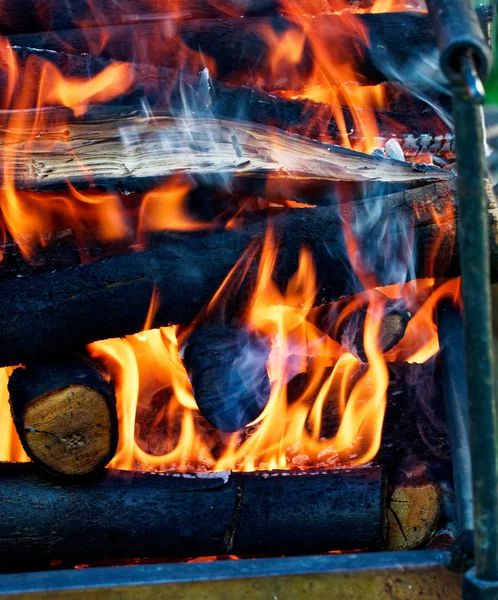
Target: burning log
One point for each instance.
(226, 364)
(65, 415)
(94, 148)
(239, 48)
(347, 327)
(23, 16)
(127, 514)
(73, 306)
(413, 507)
(163, 89)
(413, 391)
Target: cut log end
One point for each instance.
(413, 510)
(65, 415)
(69, 430)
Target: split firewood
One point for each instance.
(66, 306)
(181, 515)
(413, 507)
(348, 326)
(226, 364)
(239, 47)
(202, 147)
(65, 415)
(418, 129)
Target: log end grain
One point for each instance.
(69, 430)
(413, 511)
(65, 415)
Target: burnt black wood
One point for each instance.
(226, 364)
(61, 310)
(127, 514)
(39, 379)
(414, 395)
(23, 16)
(238, 46)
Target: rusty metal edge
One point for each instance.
(420, 574)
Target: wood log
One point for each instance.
(226, 364)
(23, 16)
(65, 415)
(204, 147)
(413, 391)
(130, 514)
(413, 507)
(412, 123)
(67, 308)
(347, 326)
(238, 46)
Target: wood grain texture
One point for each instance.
(69, 430)
(413, 510)
(131, 150)
(65, 415)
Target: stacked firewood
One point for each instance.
(64, 404)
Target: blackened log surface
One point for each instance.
(65, 415)
(279, 510)
(128, 514)
(23, 16)
(59, 311)
(226, 364)
(238, 46)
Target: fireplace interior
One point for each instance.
(238, 239)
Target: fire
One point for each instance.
(326, 409)
(333, 80)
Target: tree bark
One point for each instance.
(176, 515)
(65, 415)
(64, 309)
(203, 147)
(239, 49)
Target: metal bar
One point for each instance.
(465, 59)
(476, 293)
(451, 342)
(380, 576)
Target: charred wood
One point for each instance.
(178, 515)
(226, 364)
(31, 16)
(133, 152)
(348, 326)
(164, 90)
(67, 308)
(238, 47)
(65, 415)
(413, 395)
